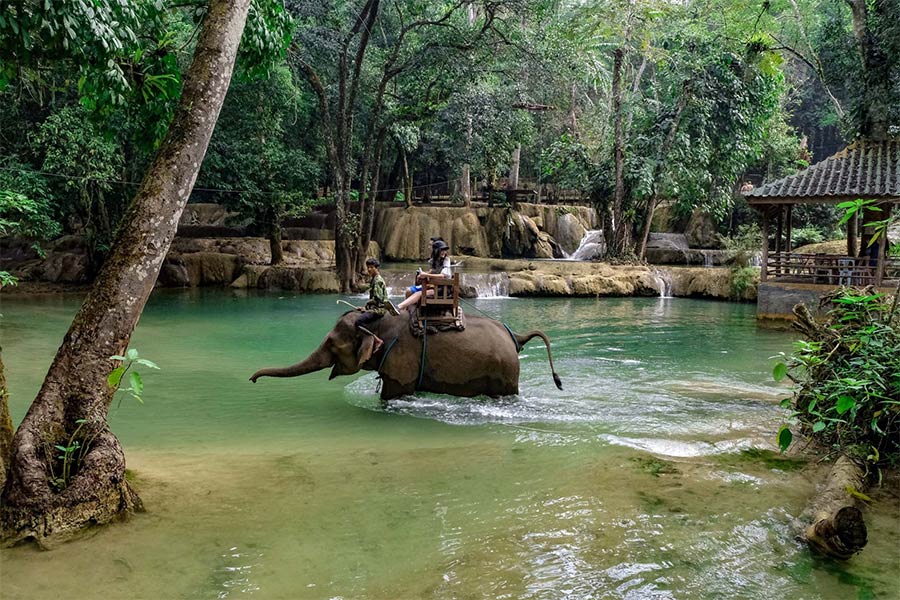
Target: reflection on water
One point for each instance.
(633, 482)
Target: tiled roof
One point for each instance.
(865, 169)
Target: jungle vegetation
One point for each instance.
(629, 102)
(108, 110)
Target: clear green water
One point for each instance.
(629, 484)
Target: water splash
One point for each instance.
(481, 285)
(663, 282)
(592, 246)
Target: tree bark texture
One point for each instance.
(514, 162)
(873, 109)
(6, 425)
(75, 387)
(617, 239)
(837, 528)
(660, 167)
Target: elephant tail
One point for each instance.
(521, 340)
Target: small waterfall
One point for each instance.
(707, 258)
(473, 285)
(756, 259)
(663, 282)
(487, 285)
(592, 245)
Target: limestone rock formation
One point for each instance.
(701, 231)
(531, 231)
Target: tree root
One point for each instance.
(98, 494)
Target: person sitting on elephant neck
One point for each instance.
(377, 306)
(439, 268)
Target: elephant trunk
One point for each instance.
(523, 339)
(318, 360)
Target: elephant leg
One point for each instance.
(391, 389)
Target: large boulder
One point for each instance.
(531, 231)
(405, 233)
(205, 214)
(254, 250)
(299, 279)
(701, 231)
(200, 268)
(570, 231)
(65, 260)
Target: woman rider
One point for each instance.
(439, 267)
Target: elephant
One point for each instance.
(483, 359)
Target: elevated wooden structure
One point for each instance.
(866, 169)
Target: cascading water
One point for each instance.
(663, 282)
(707, 258)
(592, 246)
(487, 285)
(481, 285)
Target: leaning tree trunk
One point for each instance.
(35, 503)
(617, 239)
(6, 425)
(837, 528)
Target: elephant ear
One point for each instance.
(365, 350)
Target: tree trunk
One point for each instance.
(6, 425)
(367, 206)
(274, 235)
(873, 107)
(619, 234)
(837, 528)
(514, 162)
(407, 182)
(573, 112)
(76, 384)
(465, 185)
(343, 258)
(852, 246)
(660, 167)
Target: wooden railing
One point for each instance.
(829, 269)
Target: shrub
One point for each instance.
(847, 375)
(807, 235)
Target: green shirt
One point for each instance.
(378, 295)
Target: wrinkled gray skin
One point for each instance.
(482, 360)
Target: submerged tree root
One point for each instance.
(837, 528)
(58, 523)
(98, 494)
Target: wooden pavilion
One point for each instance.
(866, 169)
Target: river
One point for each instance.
(649, 476)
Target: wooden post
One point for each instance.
(789, 210)
(882, 248)
(851, 236)
(779, 232)
(765, 244)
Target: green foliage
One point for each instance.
(801, 236)
(71, 144)
(748, 238)
(130, 361)
(742, 280)
(64, 460)
(25, 217)
(7, 279)
(847, 376)
(256, 128)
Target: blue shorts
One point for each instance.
(415, 288)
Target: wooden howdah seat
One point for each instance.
(442, 306)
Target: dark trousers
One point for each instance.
(367, 317)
